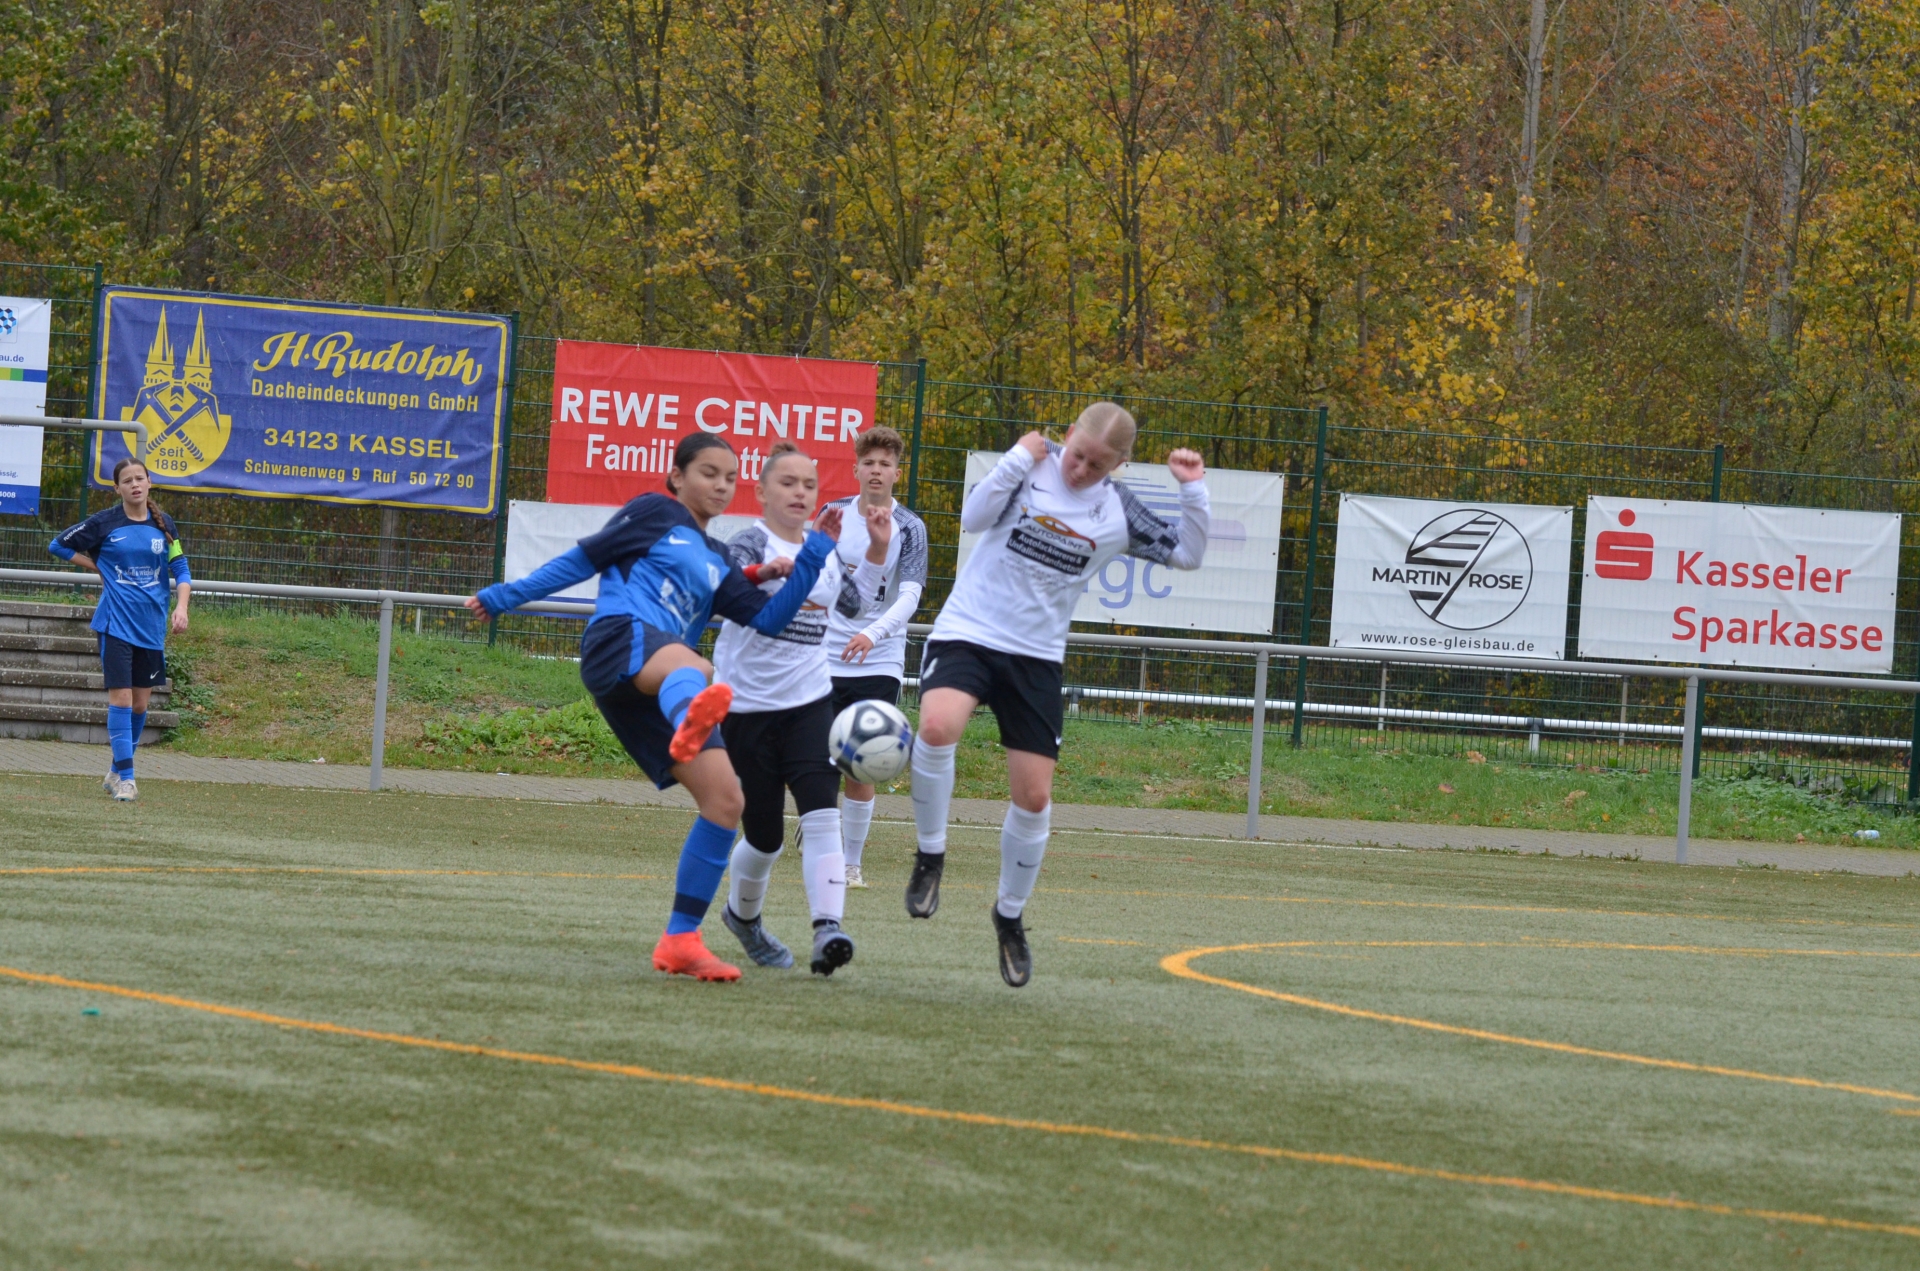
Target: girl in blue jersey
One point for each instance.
(661, 579)
(135, 550)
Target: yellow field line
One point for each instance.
(1338, 1159)
(315, 869)
(1179, 964)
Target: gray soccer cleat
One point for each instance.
(832, 948)
(760, 944)
(111, 783)
(126, 791)
(855, 878)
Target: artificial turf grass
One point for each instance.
(211, 1142)
(270, 685)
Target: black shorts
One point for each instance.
(1022, 692)
(848, 689)
(777, 751)
(644, 729)
(131, 665)
(614, 648)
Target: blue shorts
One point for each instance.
(612, 651)
(131, 665)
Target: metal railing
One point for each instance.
(1262, 654)
(134, 426)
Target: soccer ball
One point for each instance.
(870, 742)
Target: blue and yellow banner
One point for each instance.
(283, 399)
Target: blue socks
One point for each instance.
(677, 691)
(702, 861)
(135, 731)
(120, 737)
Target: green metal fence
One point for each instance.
(327, 545)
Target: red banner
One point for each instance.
(619, 410)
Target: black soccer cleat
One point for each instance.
(923, 889)
(832, 948)
(1016, 960)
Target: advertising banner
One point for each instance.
(1732, 584)
(1233, 588)
(619, 410)
(283, 399)
(1452, 577)
(538, 532)
(26, 329)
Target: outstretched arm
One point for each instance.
(740, 601)
(558, 574)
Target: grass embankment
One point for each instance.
(1119, 1116)
(274, 686)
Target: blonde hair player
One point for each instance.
(867, 644)
(776, 730)
(1049, 518)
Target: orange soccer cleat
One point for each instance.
(704, 713)
(686, 954)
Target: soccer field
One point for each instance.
(253, 1027)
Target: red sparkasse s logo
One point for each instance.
(1623, 554)
(619, 410)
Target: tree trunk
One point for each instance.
(1523, 201)
(1793, 179)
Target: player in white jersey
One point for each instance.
(776, 731)
(1049, 520)
(867, 648)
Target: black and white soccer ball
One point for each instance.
(871, 742)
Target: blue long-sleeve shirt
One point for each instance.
(657, 565)
(135, 560)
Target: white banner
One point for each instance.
(538, 532)
(26, 329)
(1732, 584)
(1233, 588)
(1451, 577)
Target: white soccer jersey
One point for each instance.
(777, 672)
(902, 580)
(1040, 543)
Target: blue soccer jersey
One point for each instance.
(658, 567)
(135, 559)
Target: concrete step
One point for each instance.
(57, 687)
(12, 642)
(22, 617)
(87, 724)
(84, 734)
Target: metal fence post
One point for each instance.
(1688, 732)
(1913, 751)
(1259, 758)
(506, 466)
(380, 693)
(1307, 584)
(919, 414)
(1713, 496)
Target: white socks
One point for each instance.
(932, 794)
(749, 869)
(822, 865)
(855, 818)
(1023, 844)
